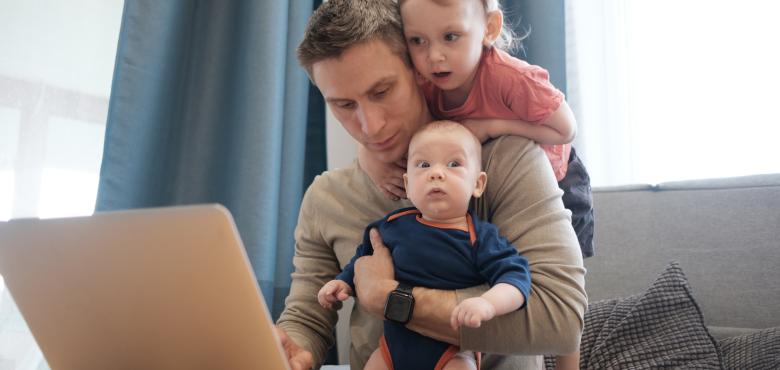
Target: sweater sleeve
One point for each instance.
(524, 202)
(305, 321)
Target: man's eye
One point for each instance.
(346, 105)
(423, 165)
(453, 164)
(381, 93)
(451, 36)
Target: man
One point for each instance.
(354, 51)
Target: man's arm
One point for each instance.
(303, 320)
(523, 200)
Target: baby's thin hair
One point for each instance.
(445, 125)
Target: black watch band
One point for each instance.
(405, 288)
(400, 304)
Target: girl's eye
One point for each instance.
(451, 36)
(416, 40)
(423, 165)
(453, 164)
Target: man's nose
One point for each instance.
(371, 120)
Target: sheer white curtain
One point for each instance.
(56, 67)
(671, 90)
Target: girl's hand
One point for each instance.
(388, 177)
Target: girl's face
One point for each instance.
(446, 39)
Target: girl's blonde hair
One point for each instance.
(507, 39)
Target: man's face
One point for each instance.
(373, 93)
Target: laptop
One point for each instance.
(160, 288)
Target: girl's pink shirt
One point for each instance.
(507, 88)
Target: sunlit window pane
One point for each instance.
(670, 90)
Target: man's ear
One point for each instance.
(481, 184)
(495, 22)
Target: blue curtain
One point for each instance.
(208, 104)
(546, 43)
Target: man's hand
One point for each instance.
(333, 293)
(472, 312)
(388, 177)
(299, 358)
(374, 276)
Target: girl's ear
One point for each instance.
(495, 22)
(481, 184)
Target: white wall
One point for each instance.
(341, 147)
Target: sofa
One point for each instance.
(721, 238)
(686, 275)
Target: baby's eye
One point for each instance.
(453, 164)
(423, 164)
(451, 36)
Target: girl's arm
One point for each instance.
(559, 128)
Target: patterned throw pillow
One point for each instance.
(759, 350)
(660, 328)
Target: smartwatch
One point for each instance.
(400, 304)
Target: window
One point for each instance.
(55, 76)
(673, 90)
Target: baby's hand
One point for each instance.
(388, 177)
(333, 292)
(472, 312)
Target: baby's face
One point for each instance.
(443, 173)
(445, 39)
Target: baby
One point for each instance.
(440, 244)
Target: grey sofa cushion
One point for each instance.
(759, 350)
(660, 328)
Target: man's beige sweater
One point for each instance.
(522, 199)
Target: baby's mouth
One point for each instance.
(437, 191)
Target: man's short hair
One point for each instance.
(337, 25)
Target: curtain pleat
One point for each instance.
(208, 104)
(545, 45)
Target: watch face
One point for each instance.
(399, 308)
